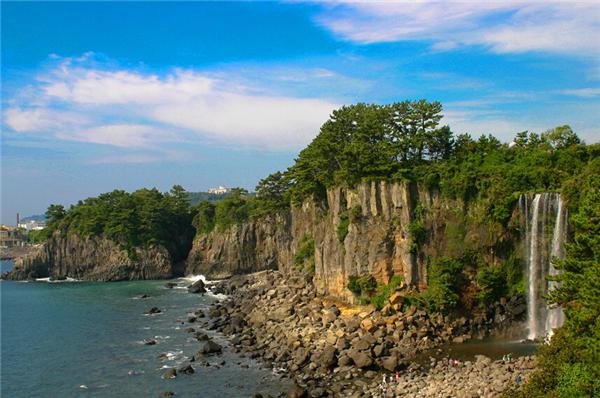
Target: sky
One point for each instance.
(125, 95)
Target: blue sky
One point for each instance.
(98, 96)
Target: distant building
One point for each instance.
(11, 236)
(32, 225)
(220, 190)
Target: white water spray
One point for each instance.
(546, 213)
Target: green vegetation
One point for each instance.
(304, 257)
(342, 229)
(35, 237)
(416, 230)
(362, 286)
(368, 291)
(143, 218)
(445, 280)
(384, 291)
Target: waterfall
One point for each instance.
(545, 227)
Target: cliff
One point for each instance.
(372, 228)
(93, 259)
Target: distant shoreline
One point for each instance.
(10, 253)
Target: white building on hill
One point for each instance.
(220, 190)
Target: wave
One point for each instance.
(48, 280)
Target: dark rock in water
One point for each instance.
(191, 319)
(197, 287)
(296, 391)
(188, 370)
(210, 347)
(171, 373)
(150, 342)
(199, 313)
(166, 394)
(170, 285)
(154, 310)
(190, 330)
(257, 395)
(201, 336)
(143, 296)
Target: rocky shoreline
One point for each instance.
(329, 349)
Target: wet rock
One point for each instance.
(154, 310)
(188, 370)
(149, 342)
(210, 348)
(166, 394)
(201, 336)
(170, 373)
(170, 285)
(197, 287)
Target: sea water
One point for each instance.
(84, 339)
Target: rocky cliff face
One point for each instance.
(378, 241)
(91, 258)
(242, 249)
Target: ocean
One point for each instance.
(85, 339)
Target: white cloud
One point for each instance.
(588, 92)
(128, 108)
(503, 26)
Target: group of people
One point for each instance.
(388, 381)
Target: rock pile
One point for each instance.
(330, 349)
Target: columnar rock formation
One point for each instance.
(377, 241)
(92, 258)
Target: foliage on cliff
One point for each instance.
(570, 365)
(141, 218)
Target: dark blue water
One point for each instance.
(85, 340)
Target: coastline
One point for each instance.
(331, 350)
(11, 253)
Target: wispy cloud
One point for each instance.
(77, 100)
(501, 26)
(587, 92)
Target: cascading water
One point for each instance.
(545, 220)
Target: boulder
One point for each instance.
(209, 347)
(390, 363)
(188, 370)
(325, 358)
(154, 310)
(360, 358)
(397, 298)
(367, 325)
(149, 342)
(296, 391)
(171, 373)
(197, 287)
(170, 285)
(280, 313)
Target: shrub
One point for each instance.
(384, 291)
(356, 214)
(342, 229)
(361, 285)
(492, 281)
(445, 281)
(304, 257)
